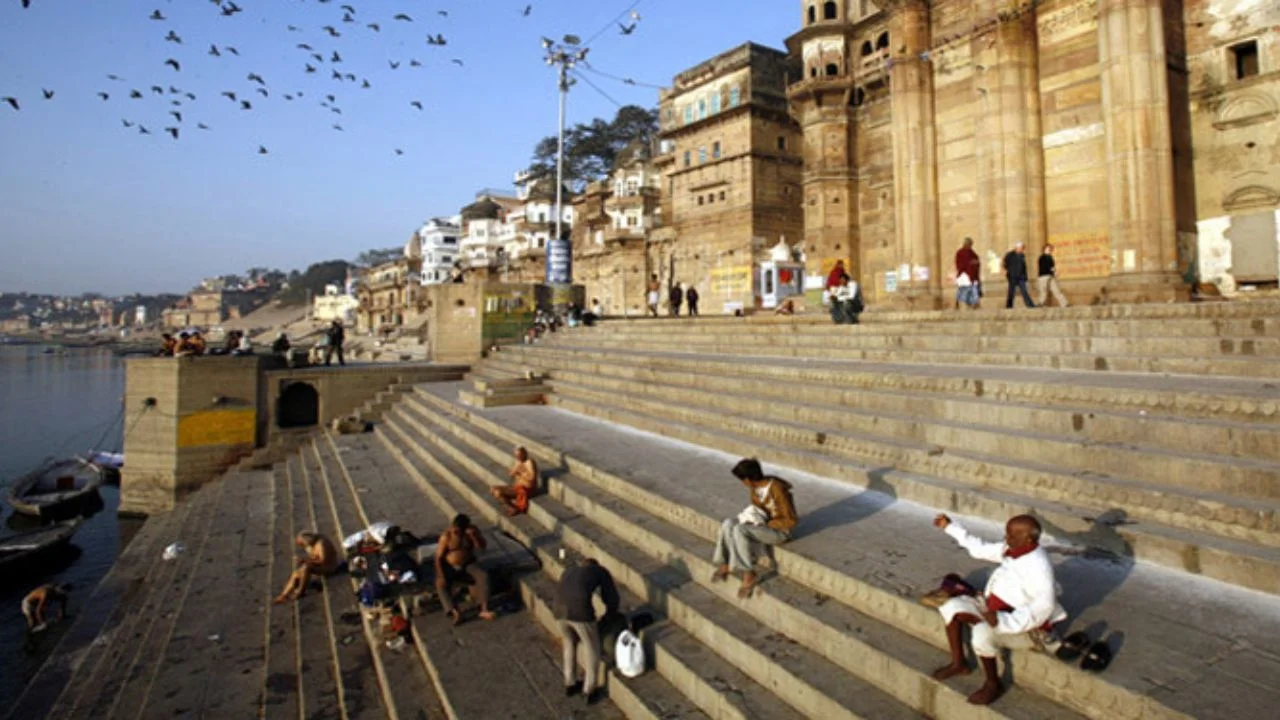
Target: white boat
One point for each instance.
(59, 488)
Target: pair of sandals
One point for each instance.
(1096, 655)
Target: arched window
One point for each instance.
(867, 49)
(299, 406)
(829, 11)
(813, 14)
(832, 69)
(882, 42)
(813, 71)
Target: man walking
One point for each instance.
(968, 275)
(675, 297)
(336, 336)
(1048, 280)
(576, 619)
(1015, 270)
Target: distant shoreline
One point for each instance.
(117, 345)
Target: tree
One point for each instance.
(311, 283)
(590, 149)
(371, 258)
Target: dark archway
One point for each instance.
(298, 406)
(813, 14)
(882, 42)
(832, 69)
(829, 11)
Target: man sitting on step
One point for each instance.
(456, 562)
(768, 520)
(524, 474)
(1020, 600)
(322, 559)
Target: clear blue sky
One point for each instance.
(89, 205)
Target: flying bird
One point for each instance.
(310, 68)
(156, 15)
(157, 89)
(332, 31)
(232, 50)
(331, 98)
(254, 77)
(365, 85)
(229, 95)
(246, 105)
(626, 29)
(336, 58)
(173, 37)
(174, 91)
(202, 126)
(416, 104)
(293, 28)
(231, 9)
(528, 9)
(172, 131)
(213, 50)
(443, 13)
(350, 10)
(105, 97)
(346, 18)
(394, 65)
(191, 96)
(176, 115)
(374, 27)
(403, 18)
(457, 62)
(126, 123)
(48, 94)
(13, 102)
(399, 151)
(142, 130)
(337, 75)
(176, 103)
(136, 95)
(337, 127)
(288, 97)
(318, 57)
(350, 76)
(304, 46)
(262, 150)
(335, 110)
(264, 92)
(414, 63)
(173, 64)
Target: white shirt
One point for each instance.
(846, 293)
(597, 310)
(1026, 583)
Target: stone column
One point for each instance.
(915, 174)
(1139, 146)
(1007, 135)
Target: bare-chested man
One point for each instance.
(524, 476)
(38, 600)
(455, 560)
(322, 559)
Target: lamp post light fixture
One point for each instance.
(564, 55)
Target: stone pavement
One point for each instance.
(1197, 646)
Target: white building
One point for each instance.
(484, 229)
(532, 225)
(441, 248)
(335, 304)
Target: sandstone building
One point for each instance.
(1139, 137)
(730, 157)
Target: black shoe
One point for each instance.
(594, 696)
(573, 689)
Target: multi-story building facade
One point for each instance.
(729, 153)
(390, 295)
(441, 250)
(1135, 147)
(613, 220)
(483, 224)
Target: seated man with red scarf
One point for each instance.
(1021, 598)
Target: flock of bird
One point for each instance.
(315, 56)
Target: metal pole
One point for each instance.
(564, 93)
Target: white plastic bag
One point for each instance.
(753, 515)
(173, 551)
(963, 280)
(629, 655)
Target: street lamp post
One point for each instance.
(563, 55)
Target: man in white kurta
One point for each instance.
(1021, 597)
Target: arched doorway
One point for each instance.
(298, 406)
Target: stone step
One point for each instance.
(63, 678)
(975, 342)
(1238, 500)
(355, 649)
(1246, 564)
(458, 655)
(870, 552)
(802, 679)
(500, 397)
(212, 663)
(1226, 399)
(1082, 425)
(278, 693)
(124, 680)
(1225, 366)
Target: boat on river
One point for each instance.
(57, 489)
(21, 550)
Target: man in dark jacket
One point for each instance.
(675, 298)
(1015, 269)
(577, 621)
(1048, 280)
(336, 336)
(691, 297)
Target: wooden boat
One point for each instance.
(18, 550)
(59, 488)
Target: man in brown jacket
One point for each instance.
(769, 520)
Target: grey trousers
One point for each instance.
(586, 634)
(734, 546)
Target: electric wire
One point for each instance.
(609, 25)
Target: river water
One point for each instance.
(54, 405)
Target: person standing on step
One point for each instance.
(691, 298)
(337, 335)
(1021, 598)
(768, 520)
(652, 297)
(576, 619)
(675, 297)
(1015, 270)
(1048, 280)
(968, 275)
(524, 475)
(456, 562)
